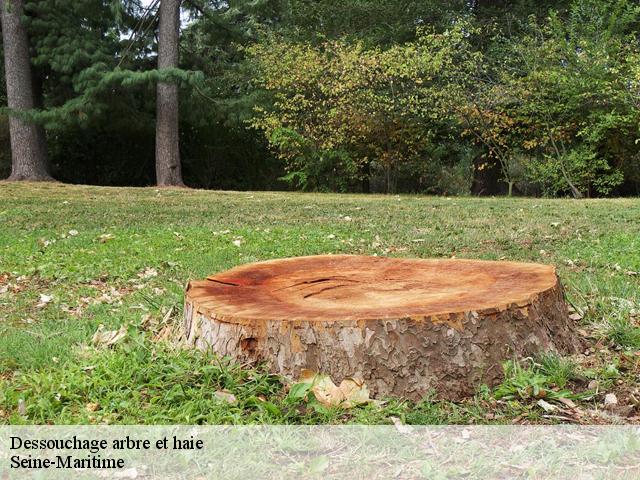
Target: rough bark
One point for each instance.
(168, 166)
(28, 144)
(406, 326)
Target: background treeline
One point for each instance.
(448, 97)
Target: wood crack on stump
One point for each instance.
(406, 326)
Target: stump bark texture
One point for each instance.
(406, 327)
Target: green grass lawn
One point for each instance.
(75, 257)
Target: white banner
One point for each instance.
(342, 452)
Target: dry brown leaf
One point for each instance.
(106, 338)
(92, 407)
(355, 392)
(569, 403)
(325, 390)
(351, 391)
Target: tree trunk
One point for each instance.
(168, 167)
(366, 177)
(405, 326)
(28, 143)
(486, 177)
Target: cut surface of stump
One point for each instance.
(406, 327)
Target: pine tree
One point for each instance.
(28, 144)
(168, 167)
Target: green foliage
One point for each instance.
(558, 370)
(348, 96)
(533, 382)
(581, 166)
(371, 22)
(173, 386)
(343, 111)
(624, 333)
(570, 80)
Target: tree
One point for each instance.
(573, 81)
(372, 22)
(556, 103)
(168, 167)
(28, 144)
(342, 112)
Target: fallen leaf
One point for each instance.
(148, 273)
(323, 388)
(351, 391)
(610, 400)
(22, 407)
(92, 407)
(546, 406)
(44, 300)
(105, 237)
(401, 427)
(567, 402)
(355, 392)
(107, 338)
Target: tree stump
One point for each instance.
(407, 327)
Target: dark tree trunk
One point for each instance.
(28, 144)
(366, 177)
(168, 168)
(486, 177)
